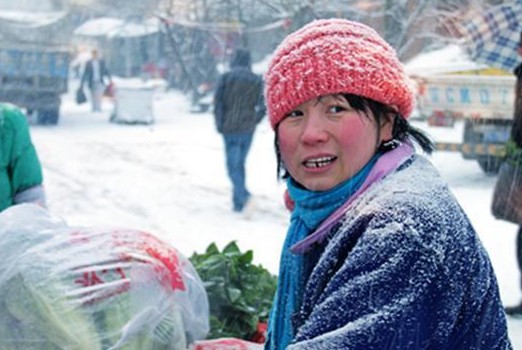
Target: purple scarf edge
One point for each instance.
(387, 163)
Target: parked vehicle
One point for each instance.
(34, 56)
(480, 96)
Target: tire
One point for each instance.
(48, 116)
(472, 137)
(490, 164)
(203, 107)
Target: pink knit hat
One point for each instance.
(335, 56)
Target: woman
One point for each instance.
(379, 254)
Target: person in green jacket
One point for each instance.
(20, 170)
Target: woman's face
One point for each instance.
(324, 141)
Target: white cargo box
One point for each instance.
(133, 100)
(472, 96)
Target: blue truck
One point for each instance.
(34, 57)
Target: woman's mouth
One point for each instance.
(320, 162)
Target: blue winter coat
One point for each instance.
(403, 269)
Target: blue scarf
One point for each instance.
(311, 208)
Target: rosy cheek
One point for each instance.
(356, 139)
(352, 131)
(287, 145)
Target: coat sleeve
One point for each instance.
(260, 106)
(400, 288)
(219, 106)
(25, 169)
(35, 194)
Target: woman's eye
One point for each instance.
(336, 109)
(294, 114)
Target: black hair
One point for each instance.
(241, 58)
(401, 130)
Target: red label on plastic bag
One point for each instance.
(170, 271)
(136, 246)
(165, 258)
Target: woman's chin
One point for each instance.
(319, 185)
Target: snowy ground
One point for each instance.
(169, 178)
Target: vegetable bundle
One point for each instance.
(63, 287)
(240, 293)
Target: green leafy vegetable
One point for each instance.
(240, 293)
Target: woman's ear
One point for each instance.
(386, 126)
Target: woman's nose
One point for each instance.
(314, 129)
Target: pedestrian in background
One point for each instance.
(238, 108)
(97, 77)
(21, 179)
(509, 192)
(379, 254)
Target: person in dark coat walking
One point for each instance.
(378, 253)
(238, 108)
(97, 77)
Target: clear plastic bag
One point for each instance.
(65, 287)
